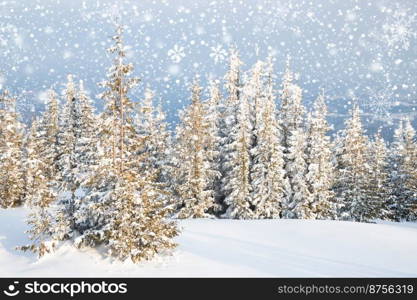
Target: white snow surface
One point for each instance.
(234, 248)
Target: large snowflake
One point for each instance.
(379, 101)
(218, 54)
(399, 29)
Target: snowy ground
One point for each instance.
(222, 248)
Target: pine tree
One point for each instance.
(268, 177)
(228, 118)
(409, 169)
(152, 129)
(294, 146)
(213, 140)
(379, 187)
(123, 209)
(299, 205)
(194, 174)
(236, 182)
(39, 192)
(321, 172)
(48, 135)
(70, 133)
(86, 145)
(78, 154)
(43, 156)
(353, 170)
(398, 204)
(137, 228)
(115, 133)
(11, 156)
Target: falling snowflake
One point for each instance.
(380, 101)
(399, 30)
(176, 54)
(218, 54)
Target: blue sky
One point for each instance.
(353, 49)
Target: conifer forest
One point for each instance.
(114, 170)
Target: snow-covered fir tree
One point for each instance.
(321, 171)
(123, 208)
(298, 206)
(408, 168)
(86, 145)
(152, 129)
(78, 154)
(228, 115)
(33, 165)
(70, 133)
(353, 172)
(400, 193)
(294, 144)
(11, 156)
(213, 143)
(269, 185)
(379, 188)
(43, 157)
(40, 190)
(48, 130)
(137, 227)
(194, 174)
(236, 180)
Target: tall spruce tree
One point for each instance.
(293, 141)
(398, 205)
(236, 181)
(228, 117)
(11, 156)
(409, 169)
(321, 171)
(269, 185)
(78, 154)
(379, 188)
(123, 207)
(194, 174)
(43, 152)
(213, 144)
(353, 170)
(152, 129)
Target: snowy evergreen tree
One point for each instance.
(236, 181)
(299, 204)
(137, 228)
(86, 144)
(213, 141)
(152, 130)
(194, 175)
(408, 170)
(70, 133)
(294, 144)
(48, 131)
(398, 175)
(11, 138)
(352, 185)
(39, 192)
(379, 187)
(123, 209)
(78, 153)
(228, 116)
(43, 156)
(321, 171)
(269, 185)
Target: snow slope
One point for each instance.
(222, 248)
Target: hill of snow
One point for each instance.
(223, 248)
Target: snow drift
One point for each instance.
(223, 248)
